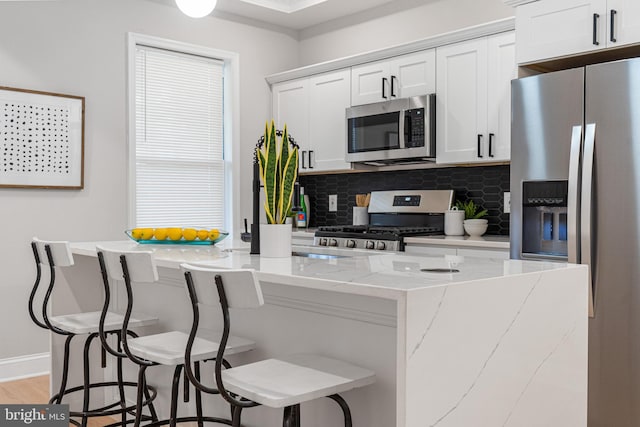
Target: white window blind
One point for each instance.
(179, 158)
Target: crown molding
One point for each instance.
(516, 3)
(490, 28)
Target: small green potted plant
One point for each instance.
(474, 224)
(278, 172)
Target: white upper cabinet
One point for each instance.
(473, 102)
(314, 111)
(550, 29)
(329, 97)
(291, 107)
(400, 77)
(625, 17)
(502, 69)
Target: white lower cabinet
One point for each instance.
(484, 253)
(473, 102)
(434, 250)
(429, 250)
(313, 109)
(299, 239)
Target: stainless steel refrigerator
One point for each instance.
(575, 185)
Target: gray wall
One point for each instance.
(350, 36)
(78, 47)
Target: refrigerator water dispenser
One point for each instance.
(544, 222)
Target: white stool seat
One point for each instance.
(294, 379)
(168, 348)
(87, 323)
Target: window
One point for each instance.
(178, 170)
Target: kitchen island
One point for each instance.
(454, 341)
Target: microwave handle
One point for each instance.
(408, 129)
(401, 131)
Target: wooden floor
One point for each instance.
(36, 390)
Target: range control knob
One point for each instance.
(323, 241)
(351, 243)
(333, 242)
(369, 244)
(381, 246)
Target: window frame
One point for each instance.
(231, 131)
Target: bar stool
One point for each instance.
(278, 383)
(57, 254)
(164, 348)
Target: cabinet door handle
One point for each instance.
(491, 136)
(393, 94)
(479, 145)
(384, 83)
(310, 161)
(304, 153)
(596, 17)
(612, 35)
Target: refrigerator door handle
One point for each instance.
(586, 208)
(573, 248)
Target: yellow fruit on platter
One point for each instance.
(174, 233)
(136, 233)
(214, 233)
(189, 233)
(147, 234)
(160, 233)
(203, 234)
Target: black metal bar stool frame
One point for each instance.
(144, 364)
(45, 323)
(291, 414)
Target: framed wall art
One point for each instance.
(41, 139)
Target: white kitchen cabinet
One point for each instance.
(626, 22)
(399, 77)
(550, 29)
(313, 109)
(484, 253)
(329, 97)
(429, 250)
(452, 250)
(473, 105)
(291, 108)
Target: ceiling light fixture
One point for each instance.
(196, 8)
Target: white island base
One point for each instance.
(499, 343)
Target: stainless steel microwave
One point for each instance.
(400, 130)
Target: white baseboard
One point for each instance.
(15, 368)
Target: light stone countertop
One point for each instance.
(360, 272)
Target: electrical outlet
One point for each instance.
(507, 202)
(333, 202)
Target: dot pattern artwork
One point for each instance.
(34, 139)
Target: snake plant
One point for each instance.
(278, 172)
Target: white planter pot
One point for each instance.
(475, 227)
(275, 240)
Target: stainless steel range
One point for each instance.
(393, 215)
